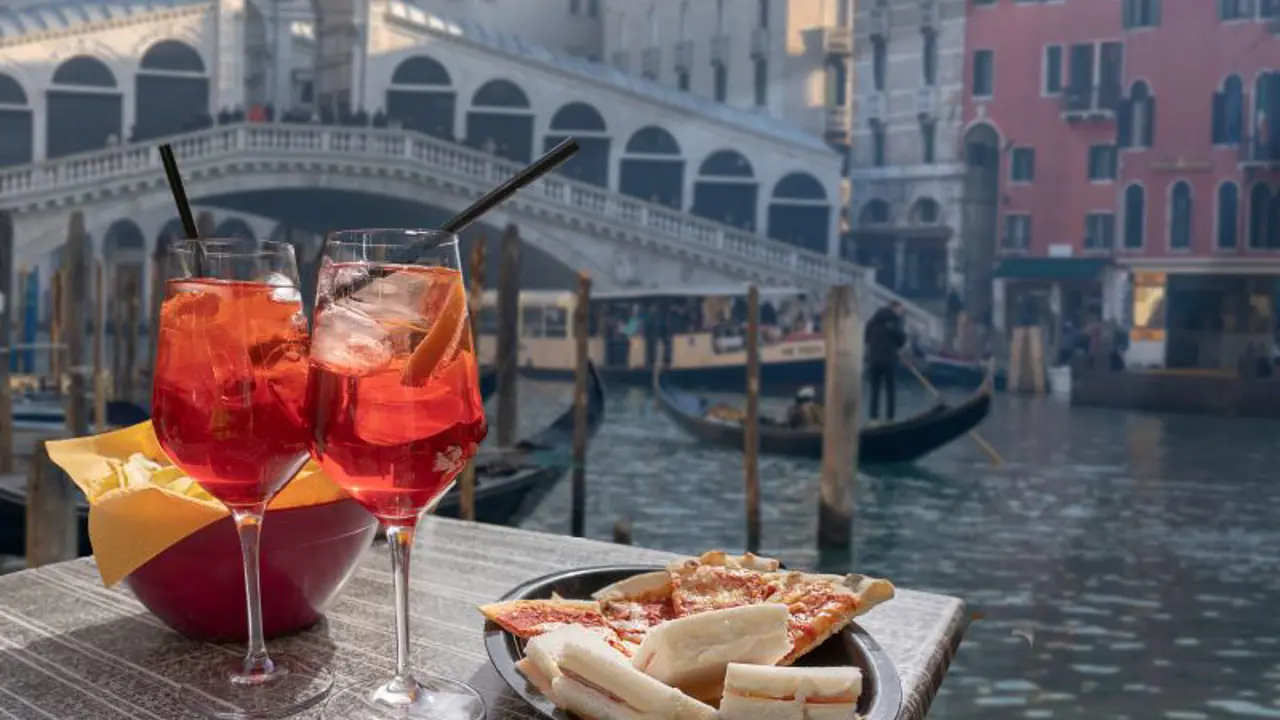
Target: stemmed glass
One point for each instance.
(394, 398)
(227, 406)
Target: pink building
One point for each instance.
(1124, 164)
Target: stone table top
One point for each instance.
(72, 649)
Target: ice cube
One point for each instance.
(348, 341)
(399, 298)
(285, 290)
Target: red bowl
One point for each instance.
(197, 586)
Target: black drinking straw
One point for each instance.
(543, 165)
(184, 207)
(179, 193)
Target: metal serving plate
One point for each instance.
(881, 688)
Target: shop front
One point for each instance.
(1062, 296)
(1209, 321)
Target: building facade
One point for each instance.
(1121, 165)
(906, 175)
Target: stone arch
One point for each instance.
(421, 97)
(83, 109)
(652, 167)
(237, 229)
(726, 190)
(15, 123)
(980, 216)
(172, 92)
(799, 212)
(501, 121)
(925, 211)
(171, 232)
(122, 237)
(585, 124)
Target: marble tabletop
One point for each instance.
(72, 649)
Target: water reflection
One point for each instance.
(1126, 566)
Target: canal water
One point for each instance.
(1124, 565)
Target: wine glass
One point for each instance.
(394, 398)
(227, 406)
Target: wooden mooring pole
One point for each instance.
(7, 303)
(843, 336)
(205, 225)
(581, 340)
(751, 426)
(99, 373)
(475, 304)
(51, 497)
(159, 273)
(508, 350)
(55, 327)
(19, 319)
(131, 295)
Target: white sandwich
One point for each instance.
(692, 652)
(541, 662)
(595, 686)
(753, 692)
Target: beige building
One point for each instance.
(906, 166)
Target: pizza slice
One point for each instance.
(529, 618)
(822, 605)
(634, 605)
(716, 581)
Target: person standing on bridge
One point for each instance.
(884, 337)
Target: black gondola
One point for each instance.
(509, 484)
(898, 442)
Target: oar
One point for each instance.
(982, 443)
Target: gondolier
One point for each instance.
(884, 337)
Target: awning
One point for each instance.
(1023, 268)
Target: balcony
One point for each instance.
(760, 43)
(1096, 102)
(1262, 153)
(837, 41)
(838, 126)
(929, 16)
(720, 50)
(927, 101)
(878, 22)
(684, 56)
(873, 106)
(651, 63)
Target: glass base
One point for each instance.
(289, 687)
(429, 698)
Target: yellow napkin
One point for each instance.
(140, 503)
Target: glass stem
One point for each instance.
(249, 526)
(400, 541)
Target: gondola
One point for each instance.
(509, 483)
(898, 442)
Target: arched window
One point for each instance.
(1262, 226)
(1180, 215)
(1228, 111)
(171, 92)
(875, 212)
(84, 108)
(1228, 225)
(421, 97)
(1135, 216)
(925, 211)
(1136, 124)
(15, 123)
(500, 121)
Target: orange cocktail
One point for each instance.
(394, 393)
(227, 403)
(395, 408)
(231, 378)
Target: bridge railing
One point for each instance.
(673, 228)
